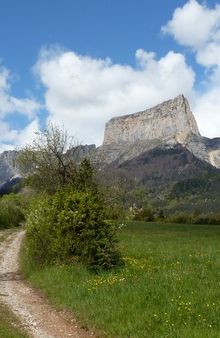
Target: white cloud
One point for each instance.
(10, 104)
(207, 112)
(194, 25)
(209, 55)
(5, 147)
(197, 26)
(9, 137)
(83, 93)
(15, 139)
(26, 135)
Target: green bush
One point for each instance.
(11, 211)
(179, 218)
(141, 214)
(70, 226)
(193, 218)
(207, 219)
(145, 214)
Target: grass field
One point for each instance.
(169, 286)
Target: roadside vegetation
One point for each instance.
(67, 221)
(168, 287)
(12, 210)
(9, 325)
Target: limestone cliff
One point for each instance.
(172, 119)
(8, 166)
(165, 125)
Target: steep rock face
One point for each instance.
(172, 119)
(8, 166)
(167, 124)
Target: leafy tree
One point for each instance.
(67, 220)
(85, 178)
(45, 161)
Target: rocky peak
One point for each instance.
(169, 120)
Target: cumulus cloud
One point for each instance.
(9, 104)
(197, 27)
(209, 55)
(15, 139)
(194, 24)
(83, 92)
(207, 111)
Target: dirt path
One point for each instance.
(39, 319)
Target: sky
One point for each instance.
(78, 63)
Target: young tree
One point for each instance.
(45, 161)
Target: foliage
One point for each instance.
(12, 210)
(46, 162)
(85, 177)
(70, 226)
(189, 187)
(193, 218)
(141, 214)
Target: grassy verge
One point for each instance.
(9, 326)
(169, 287)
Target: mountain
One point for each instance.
(165, 125)
(160, 149)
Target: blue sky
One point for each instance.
(80, 62)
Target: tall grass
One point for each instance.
(169, 286)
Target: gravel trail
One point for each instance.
(38, 318)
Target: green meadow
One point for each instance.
(169, 285)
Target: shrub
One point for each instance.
(71, 226)
(194, 218)
(11, 211)
(180, 217)
(141, 214)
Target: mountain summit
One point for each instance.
(172, 119)
(166, 125)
